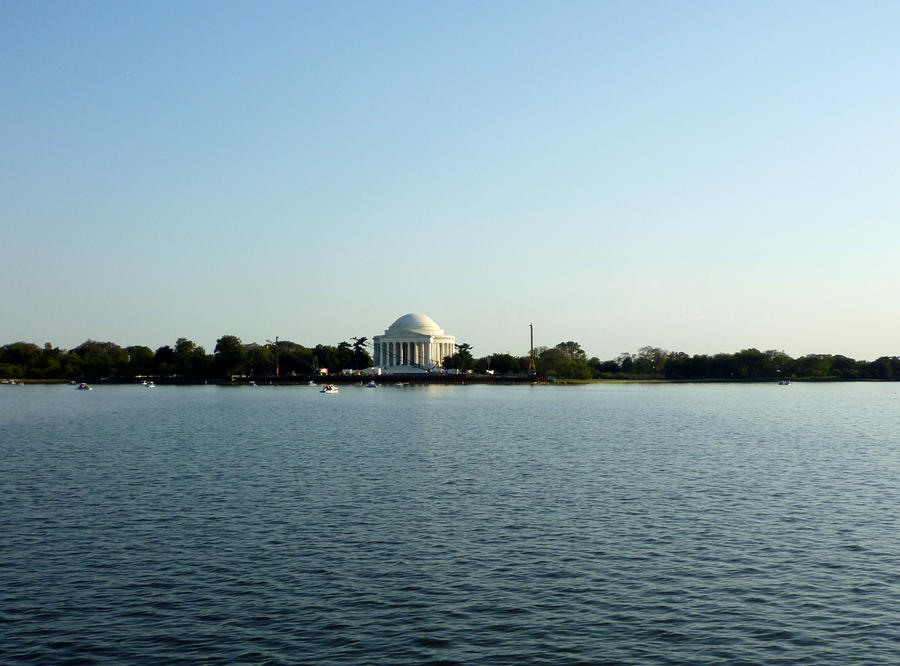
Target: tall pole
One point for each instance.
(275, 345)
(531, 366)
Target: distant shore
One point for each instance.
(430, 379)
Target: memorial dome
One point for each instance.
(415, 323)
(413, 343)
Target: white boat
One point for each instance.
(149, 384)
(784, 382)
(372, 384)
(329, 388)
(83, 387)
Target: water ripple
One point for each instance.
(450, 525)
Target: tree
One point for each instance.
(571, 350)
(96, 360)
(191, 360)
(599, 368)
(27, 360)
(294, 358)
(845, 368)
(165, 360)
(567, 360)
(503, 364)
(140, 361)
(750, 363)
(651, 360)
(461, 360)
(229, 355)
(625, 361)
(333, 358)
(884, 367)
(260, 359)
(814, 365)
(361, 357)
(25, 355)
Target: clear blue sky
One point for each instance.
(698, 176)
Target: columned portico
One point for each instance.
(413, 343)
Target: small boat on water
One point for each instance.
(784, 382)
(83, 387)
(149, 384)
(329, 388)
(372, 384)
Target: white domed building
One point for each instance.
(413, 343)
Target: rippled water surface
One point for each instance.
(632, 524)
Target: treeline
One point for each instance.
(755, 364)
(567, 360)
(95, 361)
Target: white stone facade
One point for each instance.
(413, 343)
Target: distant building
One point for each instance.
(413, 343)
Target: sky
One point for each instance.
(702, 177)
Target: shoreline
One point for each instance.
(426, 379)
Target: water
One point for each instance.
(630, 524)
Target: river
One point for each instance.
(606, 523)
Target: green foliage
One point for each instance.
(294, 358)
(361, 358)
(260, 359)
(342, 357)
(502, 364)
(11, 371)
(462, 360)
(230, 356)
(567, 360)
(97, 360)
(93, 361)
(141, 362)
(24, 360)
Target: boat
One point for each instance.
(83, 387)
(149, 384)
(784, 382)
(371, 384)
(329, 388)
